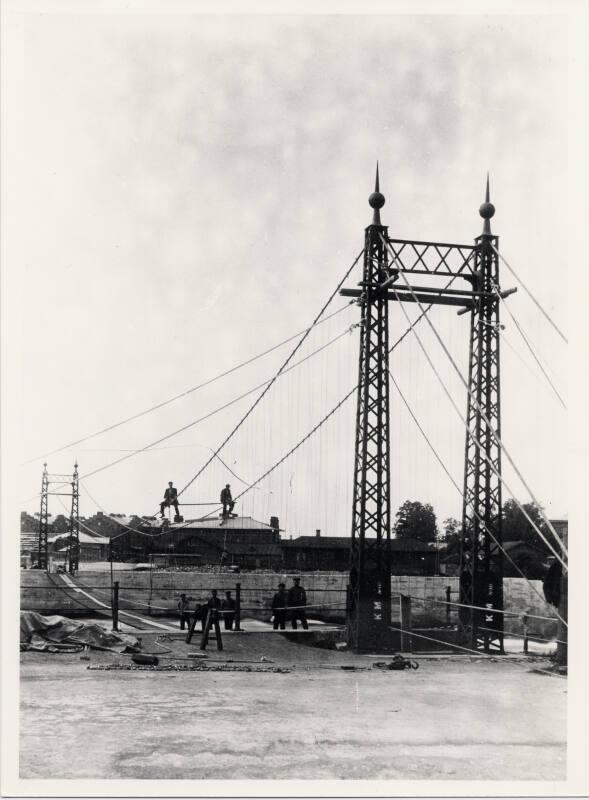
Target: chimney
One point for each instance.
(318, 533)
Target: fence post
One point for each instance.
(237, 607)
(405, 622)
(525, 624)
(563, 609)
(115, 606)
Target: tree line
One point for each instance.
(416, 520)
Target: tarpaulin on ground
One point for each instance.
(39, 632)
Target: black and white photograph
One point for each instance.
(291, 428)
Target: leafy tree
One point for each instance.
(415, 520)
(450, 536)
(517, 528)
(60, 524)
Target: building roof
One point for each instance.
(236, 523)
(85, 538)
(344, 543)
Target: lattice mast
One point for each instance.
(481, 571)
(73, 542)
(42, 559)
(369, 609)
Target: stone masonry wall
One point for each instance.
(159, 592)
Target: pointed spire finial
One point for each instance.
(487, 210)
(376, 200)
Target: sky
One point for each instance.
(183, 191)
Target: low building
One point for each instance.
(240, 542)
(92, 548)
(306, 553)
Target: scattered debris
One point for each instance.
(53, 634)
(141, 658)
(398, 662)
(341, 645)
(197, 655)
(198, 667)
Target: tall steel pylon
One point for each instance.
(42, 559)
(481, 567)
(73, 543)
(370, 583)
(369, 603)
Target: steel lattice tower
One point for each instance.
(481, 572)
(481, 582)
(73, 545)
(42, 560)
(370, 583)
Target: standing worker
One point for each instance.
(279, 603)
(170, 499)
(228, 606)
(184, 613)
(227, 501)
(297, 599)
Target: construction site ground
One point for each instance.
(333, 715)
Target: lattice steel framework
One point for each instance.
(482, 566)
(73, 542)
(42, 559)
(370, 584)
(481, 574)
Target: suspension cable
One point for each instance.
(208, 382)
(492, 431)
(271, 383)
(443, 465)
(217, 410)
(529, 346)
(531, 296)
(479, 446)
(479, 653)
(328, 415)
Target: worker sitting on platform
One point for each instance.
(170, 499)
(227, 501)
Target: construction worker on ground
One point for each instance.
(279, 603)
(297, 600)
(183, 604)
(227, 501)
(170, 499)
(227, 606)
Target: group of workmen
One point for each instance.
(291, 605)
(171, 500)
(226, 608)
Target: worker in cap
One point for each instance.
(170, 499)
(227, 501)
(183, 604)
(297, 600)
(228, 609)
(279, 603)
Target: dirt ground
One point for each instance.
(454, 717)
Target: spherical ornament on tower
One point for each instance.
(376, 200)
(487, 210)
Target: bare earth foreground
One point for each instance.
(453, 718)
